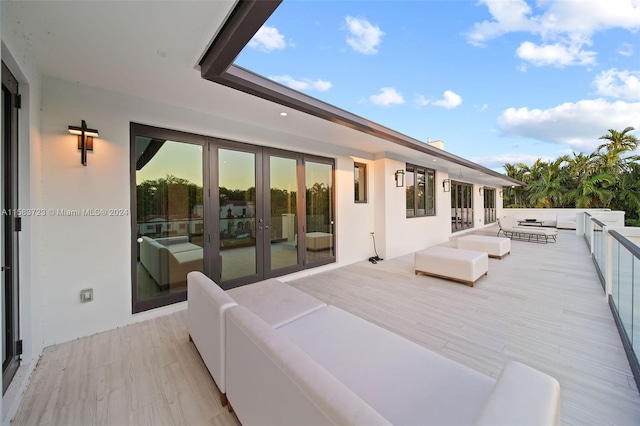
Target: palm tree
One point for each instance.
(547, 189)
(592, 191)
(623, 141)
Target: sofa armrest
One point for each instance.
(207, 304)
(522, 396)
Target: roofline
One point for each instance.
(217, 66)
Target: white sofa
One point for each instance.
(168, 260)
(328, 366)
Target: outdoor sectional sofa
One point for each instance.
(290, 359)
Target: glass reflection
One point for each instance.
(170, 215)
(237, 194)
(319, 232)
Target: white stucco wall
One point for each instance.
(404, 235)
(80, 252)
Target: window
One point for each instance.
(360, 182)
(420, 190)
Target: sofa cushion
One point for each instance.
(403, 381)
(275, 302)
(273, 382)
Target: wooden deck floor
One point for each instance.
(542, 305)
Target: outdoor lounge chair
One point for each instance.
(509, 228)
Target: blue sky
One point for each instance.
(496, 80)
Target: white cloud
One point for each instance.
(555, 54)
(576, 124)
(484, 107)
(560, 23)
(268, 39)
(508, 16)
(626, 49)
(388, 96)
(618, 84)
(304, 84)
(363, 36)
(450, 100)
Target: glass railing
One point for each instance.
(625, 295)
(599, 249)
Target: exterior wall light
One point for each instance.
(446, 185)
(85, 139)
(481, 190)
(399, 178)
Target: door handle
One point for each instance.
(5, 268)
(267, 227)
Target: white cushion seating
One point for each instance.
(465, 266)
(418, 384)
(332, 367)
(494, 246)
(274, 301)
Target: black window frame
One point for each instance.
(412, 172)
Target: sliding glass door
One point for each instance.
(239, 213)
(489, 205)
(169, 216)
(461, 206)
(240, 230)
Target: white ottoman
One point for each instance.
(465, 266)
(493, 246)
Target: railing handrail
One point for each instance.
(634, 249)
(593, 219)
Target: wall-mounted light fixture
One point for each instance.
(399, 178)
(500, 193)
(85, 139)
(446, 185)
(481, 190)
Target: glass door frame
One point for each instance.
(211, 212)
(10, 241)
(300, 208)
(462, 204)
(136, 130)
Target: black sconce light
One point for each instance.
(446, 185)
(85, 139)
(399, 178)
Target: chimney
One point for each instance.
(436, 144)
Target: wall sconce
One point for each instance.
(500, 193)
(85, 140)
(446, 185)
(481, 190)
(399, 178)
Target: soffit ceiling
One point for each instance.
(150, 49)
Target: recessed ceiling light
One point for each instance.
(283, 114)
